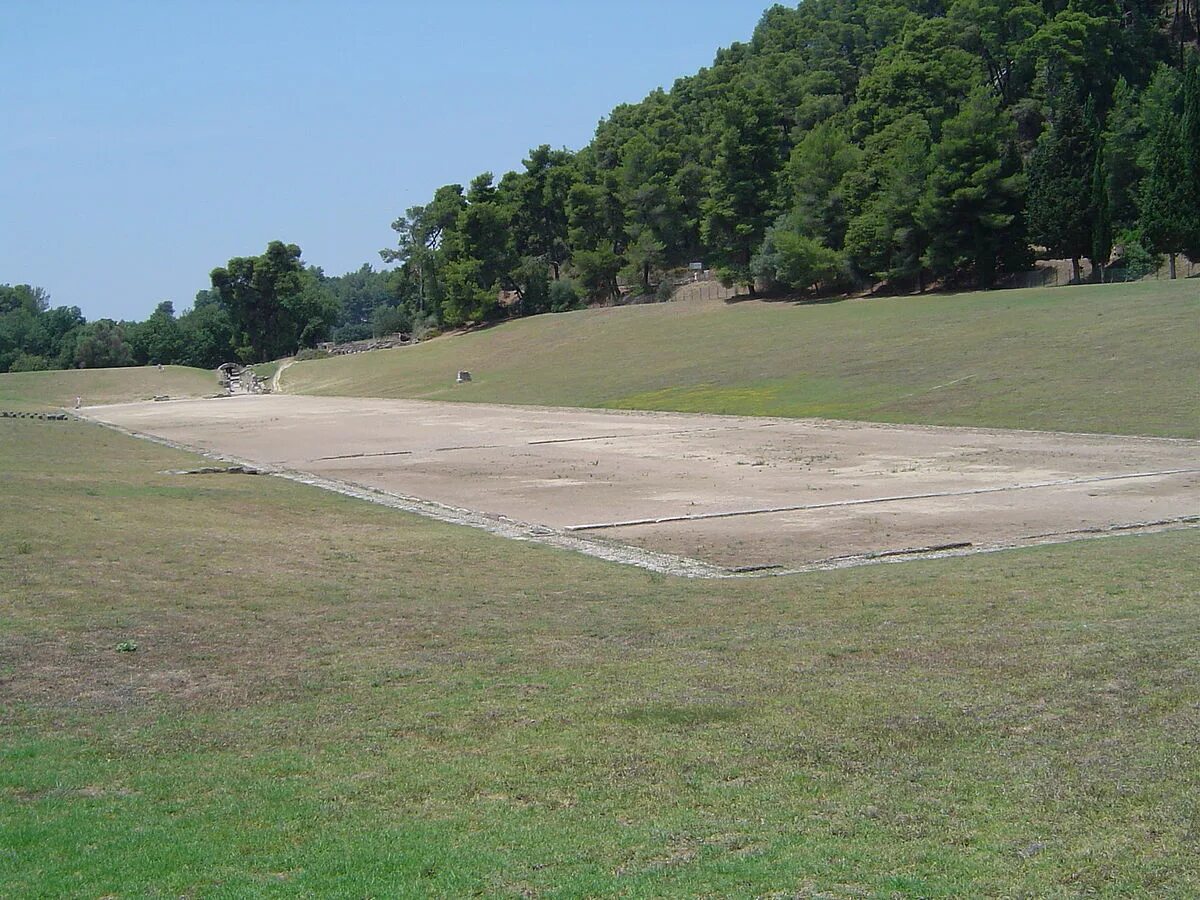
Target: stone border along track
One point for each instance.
(48, 417)
(650, 560)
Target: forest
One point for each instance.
(848, 145)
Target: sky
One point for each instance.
(142, 144)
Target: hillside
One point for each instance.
(36, 390)
(1120, 359)
(845, 145)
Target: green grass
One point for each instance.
(349, 701)
(1118, 358)
(266, 370)
(41, 390)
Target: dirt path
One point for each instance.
(283, 367)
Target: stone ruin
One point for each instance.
(235, 378)
(463, 377)
(386, 342)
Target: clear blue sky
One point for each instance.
(145, 143)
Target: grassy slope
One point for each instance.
(352, 702)
(1108, 359)
(39, 390)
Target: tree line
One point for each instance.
(848, 144)
(258, 308)
(905, 142)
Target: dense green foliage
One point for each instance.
(274, 303)
(260, 308)
(911, 143)
(33, 336)
(845, 145)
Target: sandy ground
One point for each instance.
(728, 491)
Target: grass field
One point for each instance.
(1119, 359)
(334, 699)
(44, 390)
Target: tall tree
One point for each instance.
(1123, 133)
(420, 232)
(1166, 220)
(274, 304)
(159, 339)
(813, 175)
(1101, 214)
(20, 307)
(741, 192)
(207, 333)
(598, 235)
(973, 196)
(540, 206)
(1190, 136)
(480, 256)
(885, 240)
(103, 346)
(1060, 174)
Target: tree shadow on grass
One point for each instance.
(793, 298)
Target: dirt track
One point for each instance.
(730, 492)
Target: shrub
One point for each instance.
(564, 294)
(357, 332)
(28, 362)
(389, 320)
(310, 353)
(793, 260)
(1136, 260)
(425, 327)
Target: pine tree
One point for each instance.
(741, 190)
(972, 200)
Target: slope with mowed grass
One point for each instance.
(1113, 358)
(350, 701)
(40, 390)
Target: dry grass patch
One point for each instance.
(42, 390)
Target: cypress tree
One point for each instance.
(1102, 226)
(1060, 174)
(1165, 216)
(1123, 134)
(1191, 150)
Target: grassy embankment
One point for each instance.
(266, 370)
(1119, 358)
(47, 390)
